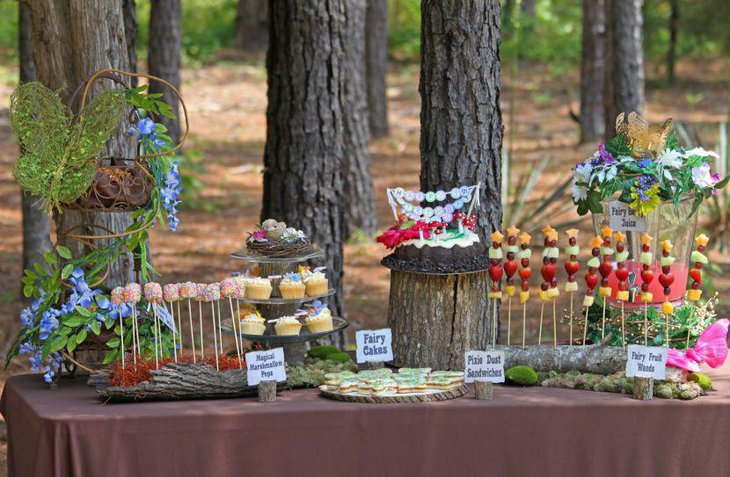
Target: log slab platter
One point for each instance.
(429, 396)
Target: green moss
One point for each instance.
(664, 390)
(521, 376)
(322, 351)
(702, 379)
(339, 357)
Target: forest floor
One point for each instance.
(227, 105)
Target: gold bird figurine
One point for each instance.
(646, 140)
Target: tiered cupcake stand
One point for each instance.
(276, 307)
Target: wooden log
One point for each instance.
(267, 391)
(643, 388)
(177, 381)
(437, 318)
(484, 390)
(375, 365)
(591, 359)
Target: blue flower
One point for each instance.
(646, 162)
(146, 126)
(48, 324)
(26, 348)
(27, 317)
(169, 194)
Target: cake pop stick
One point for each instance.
(170, 294)
(133, 294)
(698, 258)
(666, 278)
(605, 270)
(572, 267)
(200, 298)
(211, 294)
(510, 268)
(495, 273)
(622, 275)
(118, 301)
(189, 290)
(220, 327)
(153, 295)
(229, 289)
(591, 281)
(647, 276)
(525, 272)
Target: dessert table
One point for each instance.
(523, 431)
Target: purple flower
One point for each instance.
(604, 155)
(169, 194)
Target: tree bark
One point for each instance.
(376, 62)
(131, 35)
(71, 41)
(592, 71)
(305, 136)
(36, 228)
(672, 53)
(252, 25)
(461, 139)
(164, 56)
(358, 180)
(624, 87)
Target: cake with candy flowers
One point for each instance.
(434, 233)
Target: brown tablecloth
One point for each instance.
(522, 432)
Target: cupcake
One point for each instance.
(316, 284)
(319, 318)
(287, 325)
(259, 289)
(291, 287)
(253, 324)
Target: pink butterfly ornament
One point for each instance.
(711, 349)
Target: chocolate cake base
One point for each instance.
(438, 260)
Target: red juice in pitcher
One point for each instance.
(678, 288)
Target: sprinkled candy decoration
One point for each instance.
(211, 292)
(132, 293)
(228, 287)
(118, 296)
(188, 290)
(153, 292)
(153, 295)
(170, 292)
(118, 300)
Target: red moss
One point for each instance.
(134, 374)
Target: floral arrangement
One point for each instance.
(67, 307)
(407, 229)
(644, 165)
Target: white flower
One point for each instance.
(579, 192)
(582, 173)
(670, 159)
(698, 151)
(701, 176)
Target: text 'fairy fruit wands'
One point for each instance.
(510, 268)
(572, 267)
(495, 274)
(646, 258)
(525, 273)
(591, 281)
(666, 278)
(605, 270)
(622, 275)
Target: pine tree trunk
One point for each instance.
(305, 138)
(461, 140)
(36, 230)
(672, 53)
(131, 35)
(376, 61)
(592, 71)
(164, 56)
(71, 41)
(358, 180)
(624, 88)
(252, 25)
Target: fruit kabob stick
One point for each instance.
(646, 258)
(170, 295)
(553, 292)
(525, 273)
(572, 267)
(510, 268)
(666, 278)
(591, 281)
(495, 274)
(605, 270)
(622, 274)
(698, 258)
(153, 295)
(549, 286)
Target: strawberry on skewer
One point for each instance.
(510, 268)
(572, 267)
(495, 274)
(699, 258)
(666, 278)
(622, 275)
(525, 273)
(549, 287)
(605, 270)
(646, 258)
(591, 281)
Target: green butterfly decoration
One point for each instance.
(59, 151)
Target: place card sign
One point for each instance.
(265, 366)
(484, 366)
(646, 362)
(374, 346)
(624, 218)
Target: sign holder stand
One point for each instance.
(643, 388)
(483, 390)
(267, 391)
